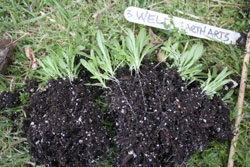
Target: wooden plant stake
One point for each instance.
(240, 100)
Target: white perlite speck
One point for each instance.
(132, 153)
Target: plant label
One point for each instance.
(192, 28)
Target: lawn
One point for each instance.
(52, 26)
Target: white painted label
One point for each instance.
(192, 28)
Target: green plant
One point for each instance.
(132, 51)
(137, 48)
(24, 97)
(188, 62)
(59, 64)
(101, 65)
(215, 82)
(3, 86)
(190, 68)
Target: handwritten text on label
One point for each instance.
(155, 19)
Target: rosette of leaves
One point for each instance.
(60, 64)
(131, 52)
(190, 67)
(137, 48)
(99, 62)
(187, 63)
(215, 82)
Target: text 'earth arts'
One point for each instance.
(192, 28)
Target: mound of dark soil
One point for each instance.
(9, 100)
(161, 120)
(63, 126)
(31, 86)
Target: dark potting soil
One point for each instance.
(63, 125)
(161, 120)
(9, 100)
(31, 86)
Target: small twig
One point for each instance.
(99, 12)
(154, 39)
(185, 48)
(24, 113)
(155, 4)
(11, 84)
(14, 42)
(235, 84)
(19, 38)
(226, 23)
(29, 163)
(240, 101)
(103, 10)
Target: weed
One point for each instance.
(214, 83)
(59, 64)
(188, 63)
(190, 68)
(137, 48)
(100, 66)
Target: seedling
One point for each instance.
(214, 83)
(188, 63)
(100, 66)
(190, 68)
(59, 64)
(137, 48)
(133, 50)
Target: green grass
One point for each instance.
(14, 150)
(51, 25)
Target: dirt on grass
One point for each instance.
(9, 99)
(31, 86)
(63, 125)
(161, 120)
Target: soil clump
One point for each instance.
(161, 120)
(64, 126)
(31, 86)
(9, 99)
